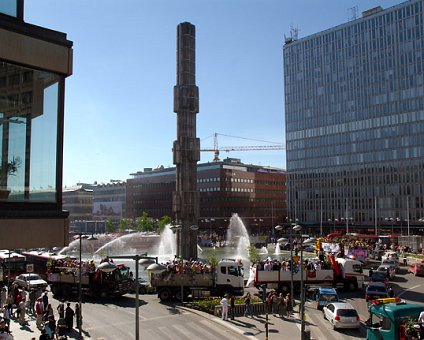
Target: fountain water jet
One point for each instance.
(168, 242)
(237, 233)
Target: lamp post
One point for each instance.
(298, 228)
(91, 238)
(153, 267)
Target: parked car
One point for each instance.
(324, 296)
(342, 315)
(30, 281)
(376, 290)
(378, 276)
(389, 270)
(417, 269)
(390, 255)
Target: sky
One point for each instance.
(119, 115)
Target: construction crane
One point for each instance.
(216, 149)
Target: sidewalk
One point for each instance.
(254, 328)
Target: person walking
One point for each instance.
(61, 309)
(232, 307)
(281, 306)
(6, 316)
(69, 317)
(224, 304)
(45, 300)
(289, 306)
(22, 309)
(78, 316)
(247, 304)
(39, 312)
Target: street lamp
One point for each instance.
(91, 238)
(153, 267)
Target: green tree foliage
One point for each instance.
(144, 222)
(124, 224)
(253, 254)
(162, 223)
(109, 226)
(213, 258)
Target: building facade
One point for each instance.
(354, 108)
(109, 201)
(256, 193)
(34, 62)
(78, 201)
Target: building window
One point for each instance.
(29, 105)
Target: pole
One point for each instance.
(137, 327)
(407, 212)
(375, 215)
(291, 272)
(347, 220)
(79, 287)
(320, 225)
(302, 299)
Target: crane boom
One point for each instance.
(216, 149)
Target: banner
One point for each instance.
(107, 208)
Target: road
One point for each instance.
(115, 319)
(406, 286)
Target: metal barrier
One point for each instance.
(257, 308)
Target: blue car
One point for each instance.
(324, 296)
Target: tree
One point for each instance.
(144, 222)
(124, 224)
(162, 223)
(109, 226)
(213, 258)
(253, 254)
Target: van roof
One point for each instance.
(398, 310)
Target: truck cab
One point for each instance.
(389, 319)
(324, 296)
(229, 273)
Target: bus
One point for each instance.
(40, 260)
(12, 264)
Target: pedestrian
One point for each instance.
(405, 261)
(281, 306)
(274, 302)
(69, 317)
(232, 307)
(289, 305)
(6, 316)
(247, 304)
(61, 309)
(48, 312)
(44, 335)
(78, 316)
(224, 309)
(51, 324)
(61, 327)
(32, 300)
(39, 312)
(391, 292)
(22, 308)
(45, 300)
(4, 331)
(3, 297)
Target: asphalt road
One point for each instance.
(406, 286)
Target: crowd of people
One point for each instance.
(179, 266)
(19, 305)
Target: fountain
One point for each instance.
(167, 243)
(237, 233)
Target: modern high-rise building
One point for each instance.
(354, 107)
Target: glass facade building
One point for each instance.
(354, 108)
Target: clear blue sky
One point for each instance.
(119, 102)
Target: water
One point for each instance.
(237, 235)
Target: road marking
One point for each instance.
(404, 291)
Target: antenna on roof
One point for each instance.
(352, 13)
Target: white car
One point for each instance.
(30, 281)
(390, 255)
(342, 315)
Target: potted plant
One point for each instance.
(7, 169)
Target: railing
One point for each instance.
(257, 308)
